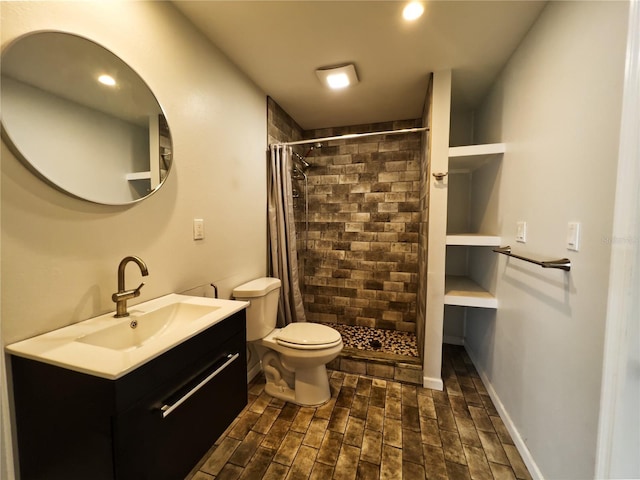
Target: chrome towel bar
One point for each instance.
(562, 264)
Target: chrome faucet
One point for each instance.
(123, 295)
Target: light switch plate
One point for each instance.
(521, 232)
(573, 236)
(198, 228)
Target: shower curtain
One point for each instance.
(281, 236)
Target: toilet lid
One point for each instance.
(308, 334)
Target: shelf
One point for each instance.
(464, 292)
(477, 150)
(138, 176)
(473, 240)
(471, 157)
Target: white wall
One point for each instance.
(557, 106)
(59, 254)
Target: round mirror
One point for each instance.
(82, 119)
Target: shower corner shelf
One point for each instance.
(473, 240)
(464, 292)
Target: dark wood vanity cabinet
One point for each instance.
(155, 422)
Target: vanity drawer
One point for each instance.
(165, 434)
(180, 362)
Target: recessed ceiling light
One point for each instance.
(413, 11)
(338, 80)
(338, 77)
(107, 80)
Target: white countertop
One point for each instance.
(62, 347)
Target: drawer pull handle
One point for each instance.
(167, 409)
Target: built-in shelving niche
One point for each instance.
(466, 209)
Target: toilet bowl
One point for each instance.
(293, 358)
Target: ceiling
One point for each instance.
(280, 44)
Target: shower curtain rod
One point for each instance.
(351, 135)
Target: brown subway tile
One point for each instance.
(302, 419)
(381, 429)
(303, 463)
(359, 407)
(372, 446)
(481, 419)
(452, 447)
(276, 434)
(430, 434)
(330, 448)
(289, 448)
(266, 420)
(391, 463)
(445, 417)
(315, 432)
(220, 456)
(230, 472)
(412, 447)
(367, 471)
(258, 465)
(516, 462)
(347, 463)
(457, 471)
(501, 430)
(467, 431)
(338, 420)
(426, 406)
(501, 472)
(392, 433)
(434, 459)
(320, 471)
(493, 448)
(477, 463)
(410, 418)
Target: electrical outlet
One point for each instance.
(198, 228)
(521, 232)
(573, 236)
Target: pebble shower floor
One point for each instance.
(376, 339)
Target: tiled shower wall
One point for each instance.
(281, 128)
(361, 264)
(366, 200)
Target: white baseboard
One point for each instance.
(535, 472)
(433, 383)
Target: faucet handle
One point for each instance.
(136, 292)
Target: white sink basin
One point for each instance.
(148, 326)
(108, 347)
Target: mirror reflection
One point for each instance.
(82, 120)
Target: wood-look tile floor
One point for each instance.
(370, 429)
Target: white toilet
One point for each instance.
(293, 358)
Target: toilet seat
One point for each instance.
(307, 336)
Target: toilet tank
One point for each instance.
(262, 294)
